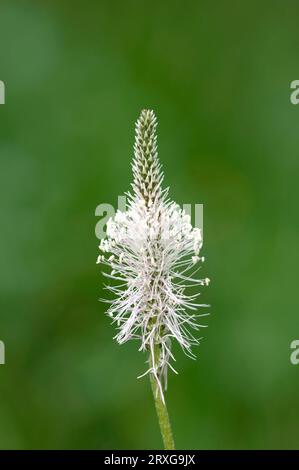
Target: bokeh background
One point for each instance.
(218, 76)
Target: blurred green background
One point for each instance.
(218, 76)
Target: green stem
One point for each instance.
(162, 413)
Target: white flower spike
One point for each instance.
(153, 253)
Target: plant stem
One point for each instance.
(161, 409)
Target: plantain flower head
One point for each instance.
(152, 252)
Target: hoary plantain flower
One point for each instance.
(153, 253)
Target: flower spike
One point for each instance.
(153, 252)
